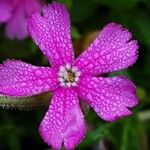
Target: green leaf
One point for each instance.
(130, 136)
(118, 4)
(141, 93)
(33, 47)
(67, 3)
(25, 103)
(82, 10)
(125, 73)
(94, 136)
(13, 140)
(75, 33)
(14, 49)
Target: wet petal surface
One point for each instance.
(21, 79)
(109, 97)
(112, 50)
(51, 31)
(64, 121)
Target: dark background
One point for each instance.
(19, 129)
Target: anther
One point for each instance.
(68, 75)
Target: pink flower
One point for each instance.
(72, 79)
(14, 13)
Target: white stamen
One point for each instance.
(64, 75)
(62, 69)
(60, 74)
(74, 69)
(68, 66)
(68, 84)
(62, 84)
(74, 84)
(61, 79)
(78, 73)
(76, 79)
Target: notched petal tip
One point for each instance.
(51, 32)
(55, 8)
(55, 142)
(74, 140)
(112, 50)
(63, 123)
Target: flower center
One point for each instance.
(68, 75)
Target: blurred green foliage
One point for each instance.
(19, 129)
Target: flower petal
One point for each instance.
(5, 10)
(112, 50)
(20, 79)
(64, 121)
(16, 27)
(51, 31)
(109, 97)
